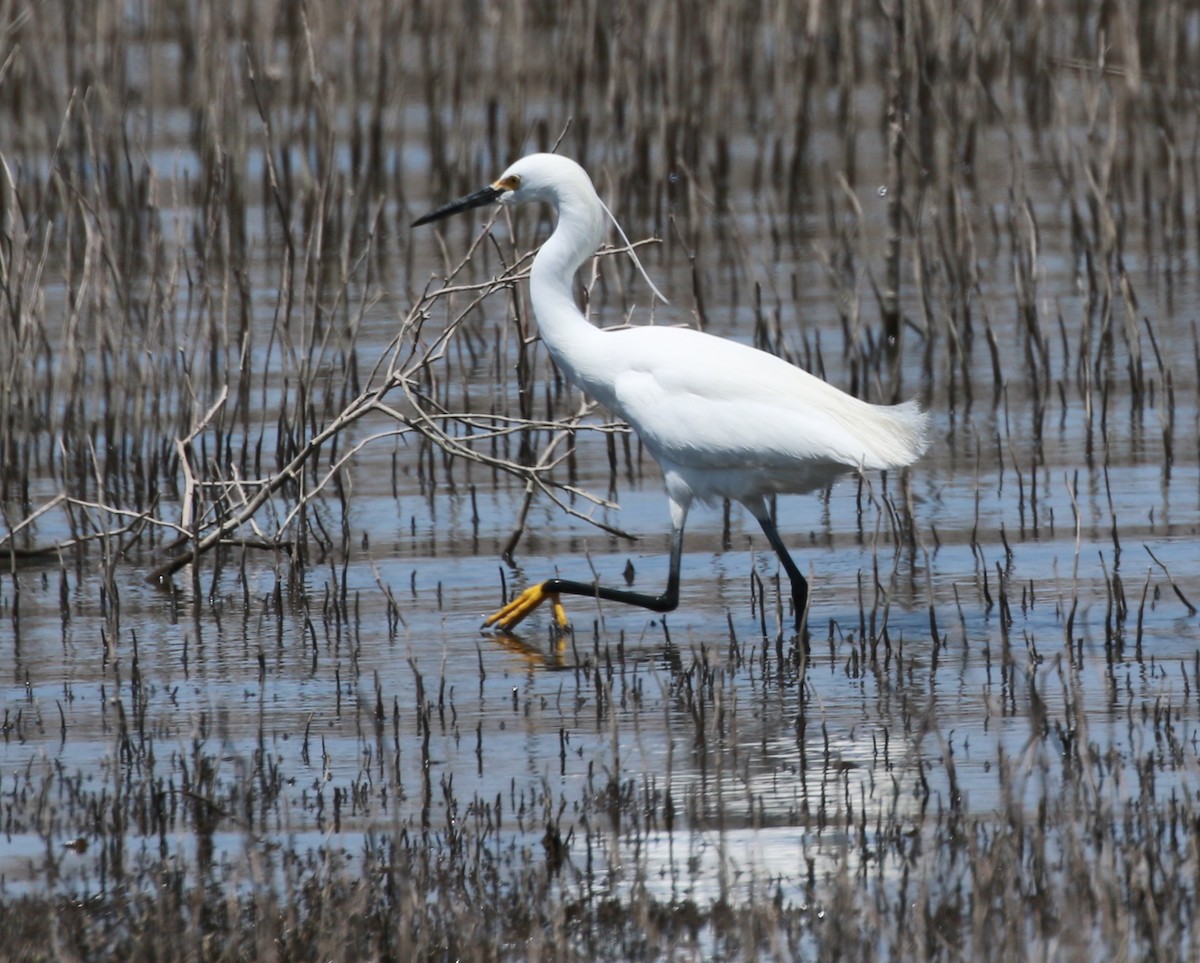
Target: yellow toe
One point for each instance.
(523, 604)
(560, 614)
(520, 607)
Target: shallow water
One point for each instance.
(1042, 602)
(758, 794)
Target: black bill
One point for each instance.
(489, 195)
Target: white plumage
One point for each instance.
(722, 419)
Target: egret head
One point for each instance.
(560, 182)
(535, 177)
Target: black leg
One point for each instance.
(799, 582)
(521, 606)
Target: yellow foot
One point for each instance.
(515, 611)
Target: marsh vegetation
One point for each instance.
(267, 457)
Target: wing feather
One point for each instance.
(708, 403)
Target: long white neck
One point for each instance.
(565, 331)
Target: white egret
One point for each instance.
(722, 419)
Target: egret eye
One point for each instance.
(509, 183)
